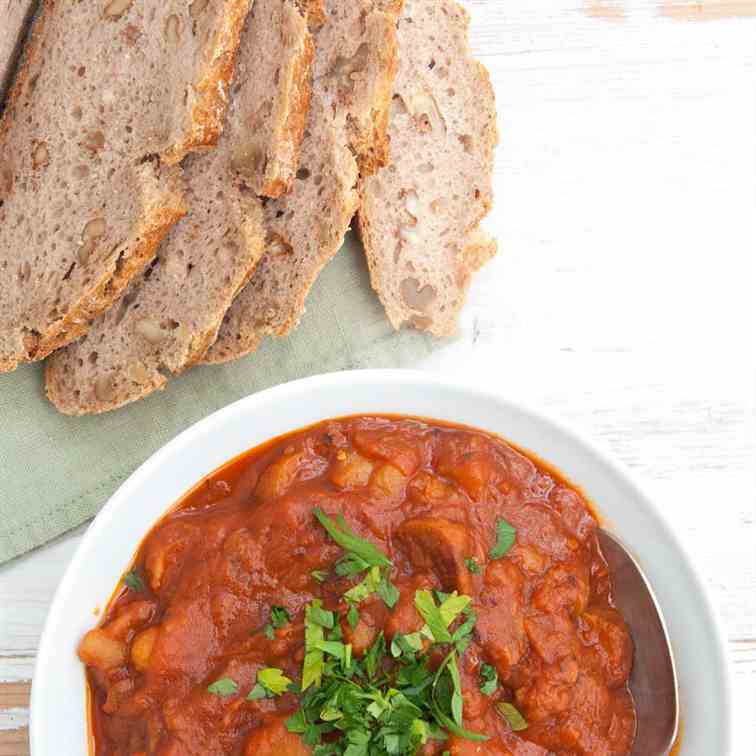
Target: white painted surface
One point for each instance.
(623, 294)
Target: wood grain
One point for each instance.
(14, 742)
(606, 10)
(707, 10)
(622, 297)
(15, 695)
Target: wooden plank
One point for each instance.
(707, 10)
(14, 742)
(15, 695)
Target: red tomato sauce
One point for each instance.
(430, 496)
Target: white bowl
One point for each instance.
(58, 716)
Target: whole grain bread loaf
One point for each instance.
(110, 95)
(14, 18)
(419, 218)
(170, 315)
(353, 73)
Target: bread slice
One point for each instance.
(170, 315)
(353, 74)
(110, 94)
(15, 15)
(419, 218)
(276, 98)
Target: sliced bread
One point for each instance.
(419, 218)
(14, 18)
(170, 315)
(353, 73)
(273, 108)
(110, 93)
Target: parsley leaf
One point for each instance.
(447, 699)
(223, 687)
(297, 722)
(406, 645)
(375, 655)
(351, 542)
(438, 618)
(312, 669)
(463, 634)
(274, 680)
(516, 721)
(505, 539)
(319, 575)
(453, 606)
(364, 589)
(337, 649)
(490, 678)
(350, 564)
(353, 617)
(472, 565)
(278, 618)
(257, 693)
(134, 582)
(320, 616)
(432, 616)
(388, 592)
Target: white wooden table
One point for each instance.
(623, 294)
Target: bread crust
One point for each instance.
(147, 237)
(209, 110)
(279, 173)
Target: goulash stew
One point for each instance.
(367, 586)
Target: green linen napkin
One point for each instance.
(56, 471)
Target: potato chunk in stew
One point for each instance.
(245, 596)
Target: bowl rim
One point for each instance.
(395, 378)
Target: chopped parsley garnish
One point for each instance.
(505, 539)
(312, 670)
(390, 701)
(361, 556)
(396, 697)
(472, 565)
(134, 582)
(273, 681)
(364, 589)
(490, 679)
(388, 592)
(375, 655)
(278, 618)
(223, 687)
(353, 616)
(355, 546)
(438, 618)
(320, 616)
(319, 575)
(516, 721)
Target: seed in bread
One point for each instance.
(353, 75)
(110, 94)
(419, 218)
(170, 315)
